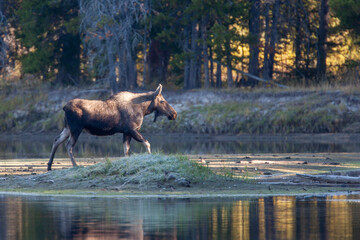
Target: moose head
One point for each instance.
(161, 107)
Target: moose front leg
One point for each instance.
(138, 137)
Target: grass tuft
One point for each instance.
(143, 169)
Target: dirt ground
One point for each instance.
(258, 173)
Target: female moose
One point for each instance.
(121, 113)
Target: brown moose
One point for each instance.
(121, 113)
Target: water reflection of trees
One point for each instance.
(279, 217)
(112, 146)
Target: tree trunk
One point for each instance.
(194, 50)
(164, 66)
(254, 30)
(205, 53)
(112, 71)
(274, 39)
(69, 59)
(186, 60)
(145, 56)
(298, 37)
(322, 35)
(211, 67)
(218, 75)
(158, 61)
(122, 75)
(230, 80)
(3, 46)
(307, 59)
(267, 44)
(145, 75)
(131, 71)
(198, 68)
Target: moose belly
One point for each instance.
(101, 129)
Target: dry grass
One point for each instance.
(145, 168)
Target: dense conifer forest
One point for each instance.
(130, 44)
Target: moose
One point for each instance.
(123, 112)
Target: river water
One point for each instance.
(277, 217)
(39, 146)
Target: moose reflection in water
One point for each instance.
(278, 217)
(121, 113)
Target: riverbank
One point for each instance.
(231, 112)
(311, 115)
(193, 175)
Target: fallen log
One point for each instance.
(331, 178)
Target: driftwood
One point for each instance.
(331, 178)
(270, 81)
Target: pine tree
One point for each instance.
(50, 32)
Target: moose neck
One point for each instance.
(146, 103)
(149, 107)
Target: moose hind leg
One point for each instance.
(147, 146)
(126, 144)
(70, 144)
(60, 139)
(138, 137)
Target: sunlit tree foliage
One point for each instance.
(186, 44)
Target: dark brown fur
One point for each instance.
(121, 113)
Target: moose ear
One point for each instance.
(158, 91)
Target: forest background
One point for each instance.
(183, 44)
(115, 45)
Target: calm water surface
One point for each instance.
(279, 217)
(39, 146)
